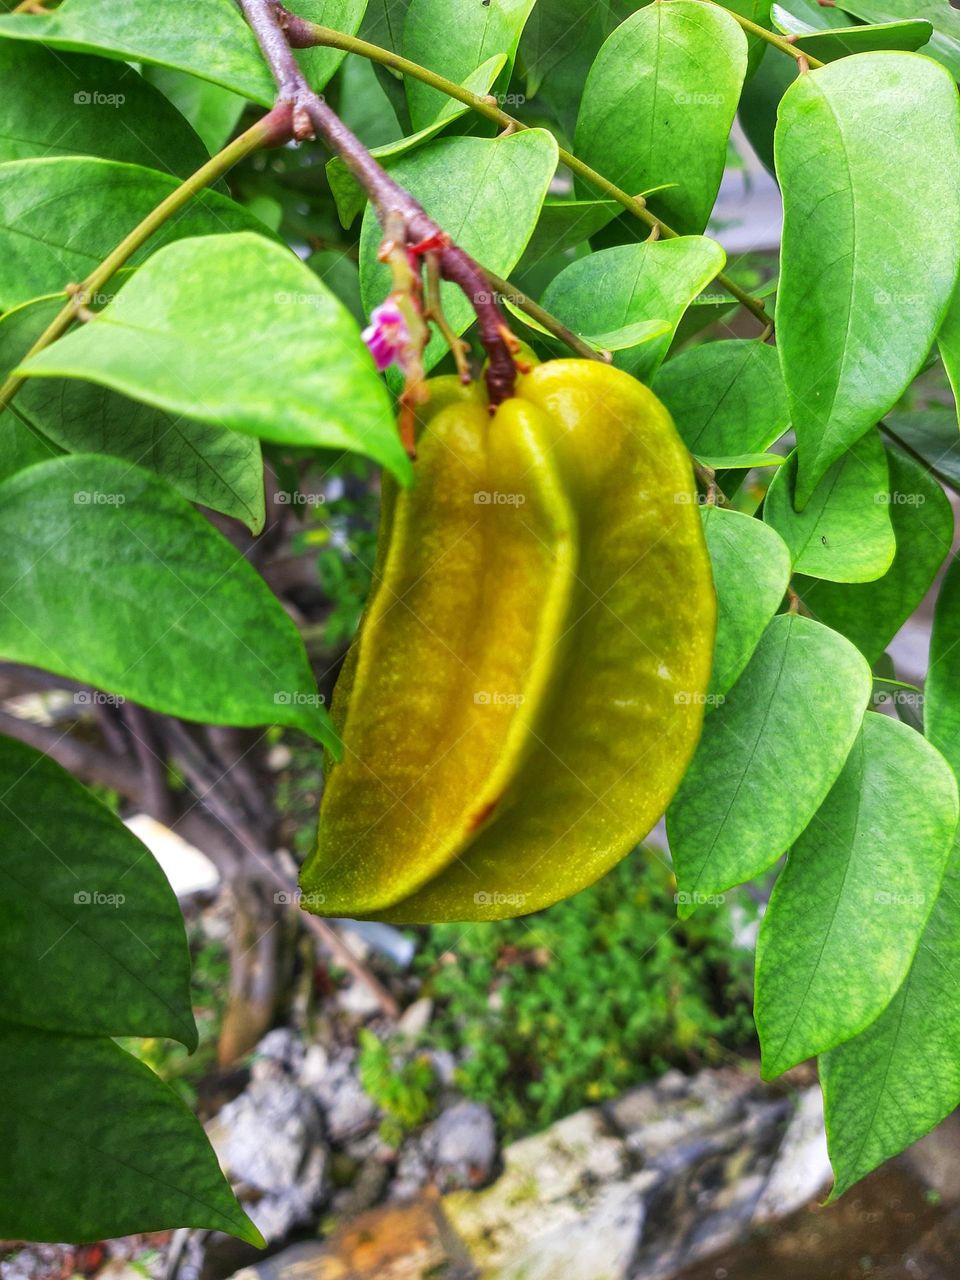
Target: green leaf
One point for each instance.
(741, 461)
(811, 14)
(320, 64)
(760, 100)
(564, 224)
(948, 343)
(932, 433)
(840, 42)
(453, 38)
(351, 198)
(58, 104)
(757, 11)
(622, 286)
(91, 936)
(203, 462)
(212, 111)
(485, 192)
(871, 613)
(767, 758)
(383, 25)
(942, 704)
(900, 1077)
(847, 912)
(99, 202)
(844, 533)
(112, 579)
(658, 105)
(297, 371)
(751, 572)
(726, 398)
(558, 46)
(21, 446)
(103, 1147)
(856, 319)
(945, 42)
(208, 38)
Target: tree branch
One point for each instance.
(302, 34)
(313, 117)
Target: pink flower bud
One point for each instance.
(387, 335)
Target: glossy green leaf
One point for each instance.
(485, 192)
(205, 463)
(658, 105)
(112, 579)
(871, 613)
(751, 571)
(741, 461)
(865, 279)
(844, 533)
(847, 912)
(21, 446)
(933, 434)
(319, 64)
(840, 42)
(948, 343)
(942, 704)
(383, 25)
(298, 371)
(347, 192)
(454, 37)
(563, 224)
(85, 914)
(208, 38)
(898, 1079)
(944, 44)
(100, 201)
(211, 110)
(811, 14)
(557, 48)
(757, 11)
(61, 104)
(760, 100)
(767, 758)
(101, 1147)
(725, 397)
(613, 288)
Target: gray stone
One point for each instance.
(348, 1110)
(801, 1170)
(658, 1118)
(269, 1141)
(551, 1182)
(415, 1019)
(460, 1146)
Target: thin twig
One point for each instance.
(313, 116)
(549, 322)
(304, 35)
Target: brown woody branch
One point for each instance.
(276, 32)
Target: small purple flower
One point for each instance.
(387, 335)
